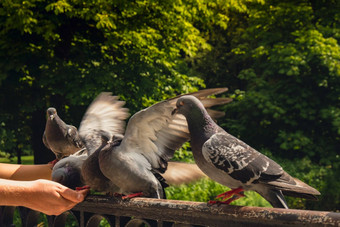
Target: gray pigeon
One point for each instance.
(104, 119)
(151, 138)
(62, 139)
(231, 162)
(67, 171)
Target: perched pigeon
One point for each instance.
(231, 162)
(104, 119)
(62, 139)
(151, 138)
(67, 171)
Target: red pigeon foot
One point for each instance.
(234, 194)
(132, 195)
(233, 198)
(237, 191)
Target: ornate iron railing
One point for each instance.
(164, 213)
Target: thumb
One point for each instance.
(74, 196)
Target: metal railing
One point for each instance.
(164, 213)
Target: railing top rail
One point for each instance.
(197, 213)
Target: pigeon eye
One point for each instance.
(181, 103)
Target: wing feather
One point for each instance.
(104, 117)
(156, 133)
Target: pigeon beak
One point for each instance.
(51, 116)
(174, 111)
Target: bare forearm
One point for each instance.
(14, 193)
(45, 196)
(25, 172)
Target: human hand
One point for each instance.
(51, 197)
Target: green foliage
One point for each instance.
(184, 154)
(25, 160)
(63, 53)
(281, 62)
(206, 189)
(279, 59)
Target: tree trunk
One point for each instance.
(42, 155)
(19, 155)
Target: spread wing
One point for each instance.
(239, 160)
(156, 133)
(104, 117)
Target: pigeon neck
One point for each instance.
(200, 124)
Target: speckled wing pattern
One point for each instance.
(239, 160)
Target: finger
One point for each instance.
(84, 192)
(74, 196)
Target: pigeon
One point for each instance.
(67, 171)
(152, 135)
(103, 120)
(62, 139)
(231, 162)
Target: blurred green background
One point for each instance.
(279, 59)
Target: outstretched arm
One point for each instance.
(45, 196)
(25, 172)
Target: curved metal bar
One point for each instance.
(136, 222)
(95, 220)
(62, 219)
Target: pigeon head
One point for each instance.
(51, 112)
(68, 172)
(188, 104)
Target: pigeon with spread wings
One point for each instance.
(151, 138)
(231, 162)
(104, 119)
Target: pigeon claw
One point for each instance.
(233, 198)
(228, 197)
(132, 195)
(219, 202)
(82, 188)
(237, 191)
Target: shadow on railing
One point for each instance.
(99, 210)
